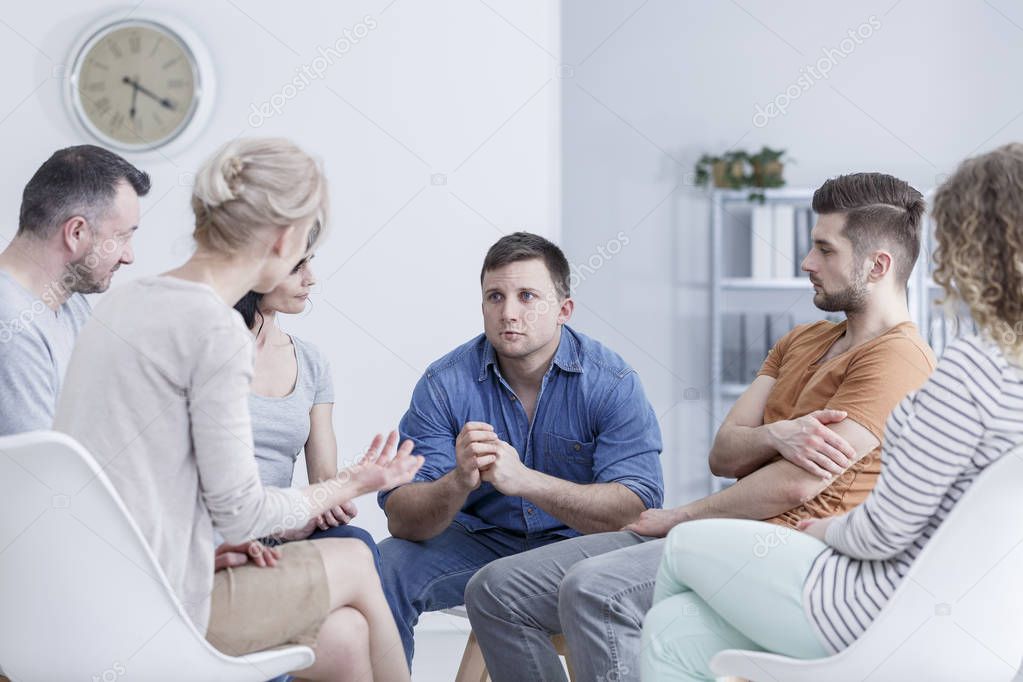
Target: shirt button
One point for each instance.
(577, 447)
(529, 511)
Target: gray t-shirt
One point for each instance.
(35, 346)
(157, 390)
(280, 426)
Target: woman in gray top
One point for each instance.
(292, 400)
(157, 390)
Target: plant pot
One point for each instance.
(768, 174)
(719, 171)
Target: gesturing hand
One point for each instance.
(810, 445)
(384, 468)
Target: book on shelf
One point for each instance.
(746, 339)
(779, 239)
(762, 242)
(783, 244)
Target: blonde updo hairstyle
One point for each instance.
(978, 215)
(255, 184)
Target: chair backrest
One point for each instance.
(959, 611)
(81, 595)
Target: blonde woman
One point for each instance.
(292, 400)
(812, 594)
(157, 389)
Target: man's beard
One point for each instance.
(849, 300)
(81, 279)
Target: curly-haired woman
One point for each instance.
(816, 592)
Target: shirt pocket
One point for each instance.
(569, 458)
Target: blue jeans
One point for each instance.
(431, 575)
(343, 532)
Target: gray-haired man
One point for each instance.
(78, 214)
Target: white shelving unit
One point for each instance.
(734, 292)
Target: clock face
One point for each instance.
(135, 85)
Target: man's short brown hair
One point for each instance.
(520, 246)
(880, 210)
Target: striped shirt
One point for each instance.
(936, 442)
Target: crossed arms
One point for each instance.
(814, 449)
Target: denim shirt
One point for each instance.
(592, 424)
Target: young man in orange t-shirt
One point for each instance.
(803, 441)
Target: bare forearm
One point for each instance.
(588, 508)
(322, 471)
(771, 490)
(420, 511)
(740, 450)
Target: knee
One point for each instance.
(663, 618)
(481, 588)
(346, 556)
(577, 587)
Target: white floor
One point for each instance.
(440, 641)
(437, 656)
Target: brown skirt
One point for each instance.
(254, 608)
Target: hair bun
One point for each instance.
(220, 181)
(232, 170)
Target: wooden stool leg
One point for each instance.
(562, 648)
(472, 668)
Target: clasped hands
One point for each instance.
(480, 456)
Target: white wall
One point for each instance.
(448, 88)
(933, 83)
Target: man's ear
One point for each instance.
(565, 314)
(76, 234)
(881, 265)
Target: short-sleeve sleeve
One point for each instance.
(324, 378)
(878, 379)
(772, 363)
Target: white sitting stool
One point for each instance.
(83, 597)
(474, 669)
(955, 616)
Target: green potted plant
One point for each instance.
(738, 168)
(768, 171)
(728, 171)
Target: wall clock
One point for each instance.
(140, 83)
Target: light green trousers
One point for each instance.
(728, 584)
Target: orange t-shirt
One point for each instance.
(866, 382)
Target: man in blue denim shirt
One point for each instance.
(532, 433)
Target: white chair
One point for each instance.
(958, 614)
(83, 597)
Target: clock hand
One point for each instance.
(164, 102)
(134, 96)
